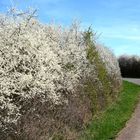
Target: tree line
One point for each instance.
(129, 66)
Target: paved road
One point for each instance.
(133, 80)
(132, 129)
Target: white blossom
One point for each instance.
(41, 60)
(38, 60)
(110, 61)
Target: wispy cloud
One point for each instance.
(120, 36)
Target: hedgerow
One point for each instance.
(52, 79)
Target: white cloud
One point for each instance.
(125, 37)
(126, 32)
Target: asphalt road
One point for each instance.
(133, 80)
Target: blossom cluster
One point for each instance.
(38, 60)
(46, 61)
(110, 62)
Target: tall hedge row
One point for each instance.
(53, 80)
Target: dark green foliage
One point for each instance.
(69, 66)
(130, 66)
(91, 52)
(102, 94)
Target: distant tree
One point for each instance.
(130, 66)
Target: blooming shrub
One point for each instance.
(111, 64)
(43, 66)
(109, 60)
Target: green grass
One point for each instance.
(107, 126)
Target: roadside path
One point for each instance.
(132, 129)
(133, 80)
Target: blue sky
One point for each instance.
(117, 21)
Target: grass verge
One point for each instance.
(107, 126)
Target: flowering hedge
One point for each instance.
(46, 63)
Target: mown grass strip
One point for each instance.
(107, 126)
